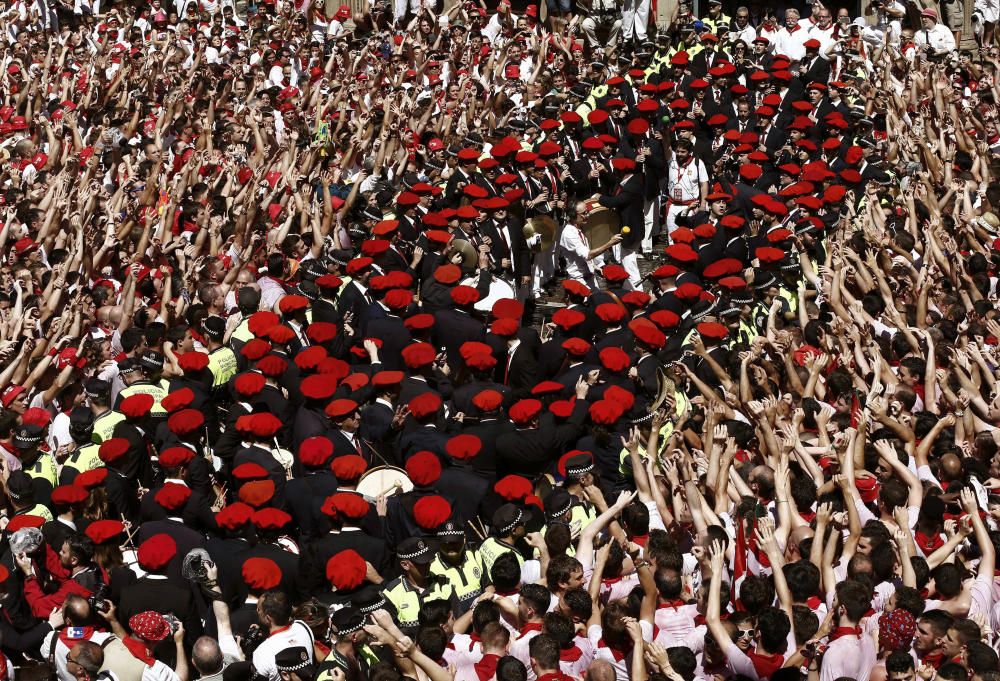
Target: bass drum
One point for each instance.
(387, 480)
(498, 289)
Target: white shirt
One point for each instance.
(575, 248)
(790, 43)
(940, 38)
(684, 180)
(297, 634)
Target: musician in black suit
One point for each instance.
(306, 493)
(509, 252)
(489, 427)
(708, 57)
(394, 336)
(345, 416)
(158, 592)
(464, 175)
(346, 534)
(539, 439)
(184, 537)
(456, 325)
(518, 367)
(354, 297)
(627, 200)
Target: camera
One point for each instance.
(99, 599)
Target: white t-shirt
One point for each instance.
(297, 634)
(684, 180)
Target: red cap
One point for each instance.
(431, 511)
(346, 570)
(523, 411)
(156, 552)
(424, 468)
(261, 574)
(349, 467)
(513, 487)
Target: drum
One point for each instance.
(387, 480)
(601, 223)
(498, 289)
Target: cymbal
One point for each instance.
(544, 225)
(600, 225)
(469, 257)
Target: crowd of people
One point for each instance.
(519, 342)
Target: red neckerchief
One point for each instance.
(139, 651)
(554, 676)
(530, 626)
(933, 659)
(570, 654)
(844, 631)
(641, 539)
(765, 665)
(674, 604)
(699, 619)
(928, 543)
(69, 641)
(619, 655)
(486, 668)
(808, 516)
(612, 580)
(813, 602)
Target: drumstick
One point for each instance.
(482, 537)
(128, 535)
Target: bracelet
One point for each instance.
(960, 412)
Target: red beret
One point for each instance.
(265, 425)
(431, 511)
(505, 328)
(249, 471)
(113, 449)
(487, 400)
(255, 349)
(638, 299)
(36, 416)
(610, 312)
(575, 288)
(418, 355)
(338, 409)
(507, 307)
(346, 570)
(649, 335)
(566, 318)
(270, 519)
(419, 322)
(280, 334)
(769, 254)
(249, 384)
(350, 505)
(317, 387)
(156, 552)
(234, 516)
(137, 406)
(261, 574)
(463, 447)
(175, 457)
(721, 268)
(620, 397)
(447, 274)
(193, 361)
(315, 451)
(665, 319)
(309, 358)
(173, 496)
(95, 477)
(424, 468)
(576, 346)
(101, 531)
(523, 411)
(185, 422)
(681, 252)
(605, 412)
(425, 404)
(272, 366)
(614, 359)
(464, 295)
(398, 299)
(321, 332)
(513, 487)
(261, 321)
(177, 400)
(349, 467)
(67, 495)
(562, 408)
(23, 520)
(385, 379)
(257, 493)
(547, 388)
(334, 368)
(358, 265)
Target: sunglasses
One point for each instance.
(741, 633)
